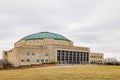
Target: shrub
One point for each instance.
(50, 63)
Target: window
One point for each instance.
(46, 54)
(46, 60)
(33, 54)
(5, 53)
(42, 60)
(37, 60)
(28, 54)
(22, 54)
(27, 60)
(37, 54)
(22, 60)
(41, 54)
(33, 61)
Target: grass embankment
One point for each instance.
(64, 73)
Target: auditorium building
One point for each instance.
(47, 47)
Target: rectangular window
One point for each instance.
(37, 60)
(22, 54)
(27, 60)
(33, 54)
(5, 53)
(33, 60)
(27, 54)
(42, 60)
(46, 54)
(46, 60)
(41, 55)
(22, 60)
(37, 54)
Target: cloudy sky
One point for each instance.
(89, 23)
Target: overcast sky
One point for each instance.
(89, 23)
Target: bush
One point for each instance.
(7, 65)
(96, 63)
(93, 63)
(35, 64)
(50, 63)
(110, 63)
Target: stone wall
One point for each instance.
(96, 57)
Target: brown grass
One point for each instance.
(64, 73)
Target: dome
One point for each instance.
(42, 35)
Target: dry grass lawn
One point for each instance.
(64, 73)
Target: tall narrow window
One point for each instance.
(37, 60)
(33, 54)
(28, 54)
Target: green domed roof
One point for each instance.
(42, 35)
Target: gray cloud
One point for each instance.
(90, 23)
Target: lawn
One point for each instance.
(63, 73)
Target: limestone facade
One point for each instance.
(96, 58)
(36, 52)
